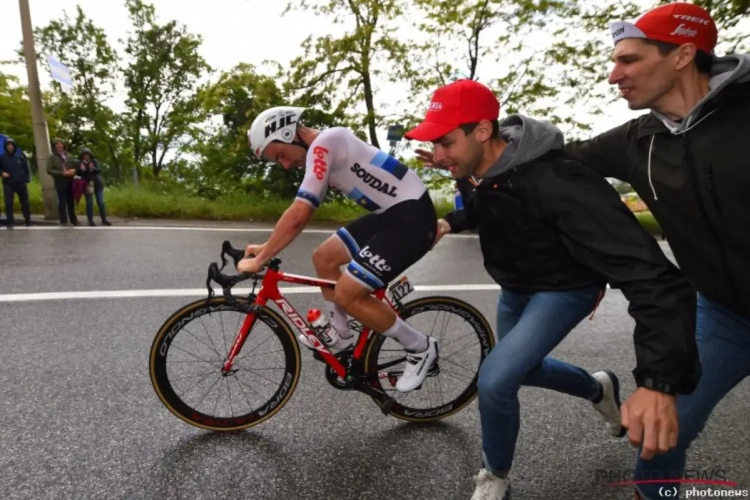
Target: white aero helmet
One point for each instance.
(273, 124)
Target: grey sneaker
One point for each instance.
(490, 487)
(609, 406)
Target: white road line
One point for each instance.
(196, 228)
(202, 292)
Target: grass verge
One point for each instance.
(155, 201)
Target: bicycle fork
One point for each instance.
(239, 341)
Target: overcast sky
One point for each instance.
(233, 31)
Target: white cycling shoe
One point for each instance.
(417, 367)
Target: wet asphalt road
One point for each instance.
(81, 420)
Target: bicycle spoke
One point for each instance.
(195, 356)
(223, 333)
(442, 347)
(250, 370)
(209, 338)
(218, 394)
(453, 363)
(258, 354)
(193, 376)
(201, 342)
(243, 392)
(463, 348)
(455, 375)
(229, 395)
(249, 387)
(206, 394)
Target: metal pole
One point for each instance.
(41, 135)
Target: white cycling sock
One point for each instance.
(407, 336)
(339, 318)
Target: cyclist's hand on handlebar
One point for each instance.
(251, 266)
(253, 250)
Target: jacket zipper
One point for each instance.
(708, 170)
(699, 197)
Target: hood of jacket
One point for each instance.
(724, 72)
(527, 139)
(8, 140)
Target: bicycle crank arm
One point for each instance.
(388, 401)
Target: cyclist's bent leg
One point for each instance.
(407, 232)
(328, 259)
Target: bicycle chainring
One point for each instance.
(345, 357)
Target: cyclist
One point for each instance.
(399, 230)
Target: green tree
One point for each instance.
(161, 76)
(225, 161)
(351, 65)
(15, 116)
(15, 112)
(85, 118)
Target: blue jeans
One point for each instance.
(99, 203)
(529, 327)
(723, 339)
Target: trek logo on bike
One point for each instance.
(375, 260)
(320, 167)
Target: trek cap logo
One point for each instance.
(691, 19)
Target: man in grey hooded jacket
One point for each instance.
(553, 234)
(687, 159)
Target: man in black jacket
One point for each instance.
(553, 233)
(687, 159)
(14, 170)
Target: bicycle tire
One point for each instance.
(171, 328)
(487, 340)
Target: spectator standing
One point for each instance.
(88, 169)
(14, 170)
(60, 167)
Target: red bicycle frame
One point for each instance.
(270, 291)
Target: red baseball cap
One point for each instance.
(678, 23)
(455, 104)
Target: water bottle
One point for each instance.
(322, 327)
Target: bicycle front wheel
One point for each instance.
(464, 337)
(186, 364)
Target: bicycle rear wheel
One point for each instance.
(464, 337)
(186, 363)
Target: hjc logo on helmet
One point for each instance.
(283, 121)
